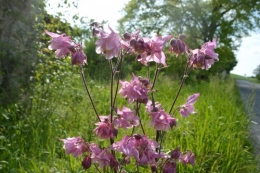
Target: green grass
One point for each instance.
(250, 79)
(217, 134)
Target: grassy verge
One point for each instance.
(217, 134)
(250, 79)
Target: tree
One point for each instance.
(257, 72)
(200, 20)
(18, 41)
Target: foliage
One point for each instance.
(257, 72)
(18, 47)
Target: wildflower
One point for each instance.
(139, 147)
(188, 158)
(77, 55)
(188, 107)
(169, 167)
(205, 57)
(59, 43)
(75, 146)
(178, 46)
(153, 50)
(161, 120)
(104, 129)
(127, 119)
(150, 108)
(108, 43)
(102, 157)
(134, 90)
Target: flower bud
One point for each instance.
(114, 164)
(86, 163)
(172, 122)
(133, 42)
(176, 154)
(127, 36)
(177, 45)
(169, 167)
(154, 168)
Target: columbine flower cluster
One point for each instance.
(132, 148)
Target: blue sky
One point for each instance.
(248, 55)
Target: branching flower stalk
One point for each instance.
(143, 151)
(86, 87)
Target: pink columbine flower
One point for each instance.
(75, 146)
(135, 90)
(150, 108)
(139, 147)
(127, 119)
(77, 55)
(153, 50)
(102, 157)
(205, 57)
(108, 43)
(169, 167)
(156, 45)
(161, 120)
(59, 43)
(188, 158)
(104, 129)
(188, 107)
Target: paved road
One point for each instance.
(250, 94)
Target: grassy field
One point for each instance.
(217, 134)
(251, 79)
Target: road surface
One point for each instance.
(250, 94)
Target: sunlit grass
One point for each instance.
(217, 134)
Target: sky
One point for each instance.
(248, 55)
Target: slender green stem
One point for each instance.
(182, 82)
(86, 87)
(138, 114)
(111, 91)
(119, 76)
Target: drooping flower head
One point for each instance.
(129, 40)
(77, 55)
(103, 157)
(178, 46)
(161, 120)
(86, 163)
(126, 118)
(60, 44)
(104, 129)
(154, 50)
(205, 57)
(139, 147)
(108, 43)
(169, 167)
(188, 107)
(135, 90)
(75, 146)
(188, 158)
